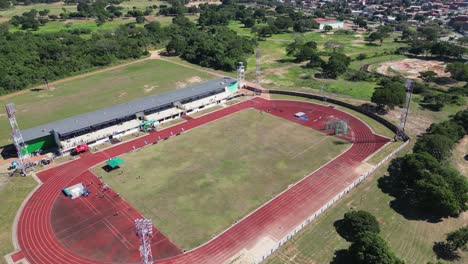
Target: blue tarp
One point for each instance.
(304, 117)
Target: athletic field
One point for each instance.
(196, 185)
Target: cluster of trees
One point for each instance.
(389, 93)
(454, 241)
(216, 47)
(336, 64)
(367, 246)
(102, 10)
(458, 71)
(424, 40)
(263, 22)
(425, 179)
(30, 20)
(381, 34)
(30, 58)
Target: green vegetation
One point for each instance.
(389, 94)
(355, 223)
(97, 91)
(456, 240)
(12, 193)
(411, 240)
(424, 180)
(210, 184)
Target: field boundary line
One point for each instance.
(14, 237)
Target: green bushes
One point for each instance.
(424, 179)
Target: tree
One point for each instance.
(315, 61)
(334, 46)
(439, 146)
(4, 4)
(327, 28)
(371, 248)
(450, 128)
(357, 222)
(283, 23)
(301, 52)
(249, 22)
(458, 71)
(140, 19)
(374, 36)
(461, 118)
(390, 94)
(360, 22)
(337, 64)
(427, 76)
(458, 239)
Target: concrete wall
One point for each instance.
(334, 25)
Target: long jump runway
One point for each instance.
(99, 228)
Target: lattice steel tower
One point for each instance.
(144, 230)
(16, 136)
(240, 75)
(405, 110)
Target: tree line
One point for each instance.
(33, 58)
(424, 180)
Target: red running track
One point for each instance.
(43, 236)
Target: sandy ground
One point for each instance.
(412, 67)
(416, 124)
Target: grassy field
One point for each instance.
(97, 91)
(57, 8)
(273, 49)
(298, 78)
(56, 26)
(411, 240)
(218, 173)
(12, 193)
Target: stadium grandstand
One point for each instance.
(105, 124)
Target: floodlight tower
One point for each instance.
(257, 68)
(240, 75)
(144, 230)
(405, 110)
(16, 136)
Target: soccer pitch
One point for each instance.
(197, 184)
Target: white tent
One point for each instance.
(299, 114)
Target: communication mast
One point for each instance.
(405, 110)
(257, 68)
(144, 230)
(17, 138)
(240, 75)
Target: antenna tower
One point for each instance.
(17, 137)
(257, 67)
(405, 110)
(144, 230)
(240, 75)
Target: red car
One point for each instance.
(81, 148)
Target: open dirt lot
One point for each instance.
(412, 67)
